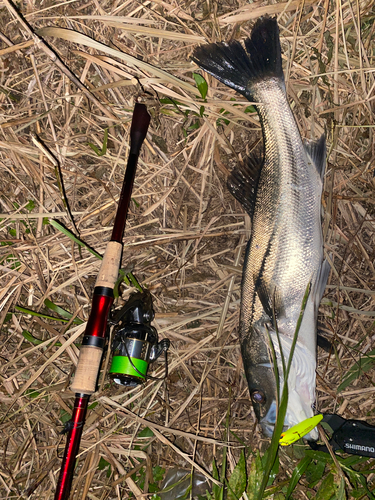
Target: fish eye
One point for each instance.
(258, 396)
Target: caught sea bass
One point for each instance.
(282, 192)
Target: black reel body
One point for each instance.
(135, 344)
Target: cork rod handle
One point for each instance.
(108, 272)
(87, 370)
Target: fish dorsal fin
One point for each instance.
(243, 181)
(317, 152)
(272, 302)
(321, 282)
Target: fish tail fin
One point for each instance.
(241, 68)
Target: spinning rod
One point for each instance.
(87, 371)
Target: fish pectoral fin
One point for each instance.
(243, 181)
(321, 282)
(317, 152)
(271, 301)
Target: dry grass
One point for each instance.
(184, 237)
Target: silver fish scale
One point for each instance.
(285, 250)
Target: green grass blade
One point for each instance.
(39, 315)
(296, 476)
(134, 281)
(274, 446)
(314, 472)
(363, 365)
(101, 152)
(280, 346)
(255, 477)
(298, 326)
(74, 238)
(224, 462)
(327, 488)
(62, 312)
(241, 441)
(27, 335)
(274, 362)
(237, 481)
(274, 470)
(341, 494)
(216, 489)
(362, 481)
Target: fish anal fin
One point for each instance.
(317, 152)
(243, 181)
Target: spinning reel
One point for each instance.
(135, 344)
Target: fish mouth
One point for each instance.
(269, 420)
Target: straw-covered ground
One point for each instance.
(185, 234)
